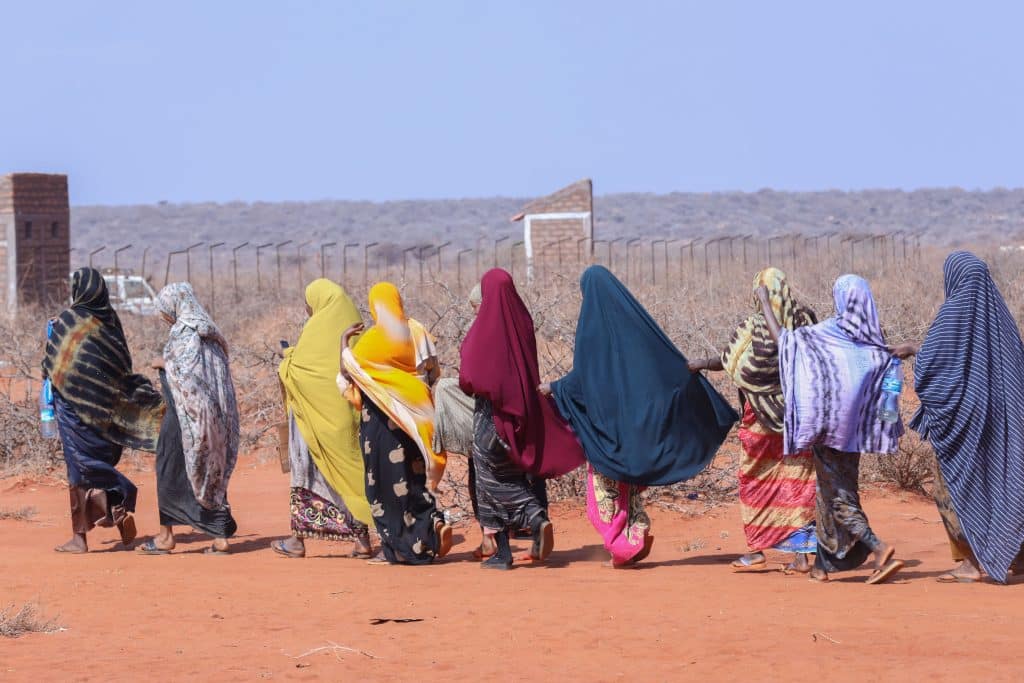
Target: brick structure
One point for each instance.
(559, 229)
(35, 239)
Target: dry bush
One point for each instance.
(24, 514)
(697, 303)
(17, 621)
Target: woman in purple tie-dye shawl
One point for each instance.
(831, 375)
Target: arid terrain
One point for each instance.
(682, 615)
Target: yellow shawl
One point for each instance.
(383, 364)
(329, 425)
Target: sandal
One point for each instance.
(214, 550)
(885, 573)
(645, 551)
(149, 548)
(744, 564)
(127, 529)
(444, 539)
(479, 554)
(279, 548)
(543, 541)
(950, 577)
(378, 559)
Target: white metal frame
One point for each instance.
(528, 219)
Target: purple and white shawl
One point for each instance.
(832, 378)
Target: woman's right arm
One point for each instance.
(774, 329)
(714, 363)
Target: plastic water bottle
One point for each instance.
(892, 385)
(47, 415)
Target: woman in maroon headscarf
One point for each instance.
(516, 431)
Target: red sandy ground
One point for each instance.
(682, 615)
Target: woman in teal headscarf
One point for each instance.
(642, 417)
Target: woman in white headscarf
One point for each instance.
(198, 444)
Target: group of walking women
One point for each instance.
(371, 425)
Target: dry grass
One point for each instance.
(698, 307)
(17, 621)
(25, 514)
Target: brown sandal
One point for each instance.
(885, 573)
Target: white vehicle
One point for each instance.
(130, 293)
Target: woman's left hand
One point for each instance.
(545, 388)
(903, 351)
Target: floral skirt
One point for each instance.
(617, 512)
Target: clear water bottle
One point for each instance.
(47, 414)
(892, 385)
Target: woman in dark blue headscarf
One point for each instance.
(642, 417)
(969, 376)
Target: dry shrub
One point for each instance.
(909, 469)
(697, 304)
(17, 621)
(24, 514)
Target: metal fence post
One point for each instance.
(213, 282)
(234, 266)
(118, 251)
(323, 257)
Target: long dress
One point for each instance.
(175, 498)
(454, 413)
(776, 491)
(200, 440)
(316, 510)
(91, 462)
(396, 431)
(844, 535)
(327, 496)
(506, 498)
(404, 511)
(831, 377)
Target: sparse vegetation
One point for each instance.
(698, 307)
(17, 621)
(24, 514)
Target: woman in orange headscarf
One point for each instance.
(379, 376)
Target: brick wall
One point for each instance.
(35, 208)
(546, 233)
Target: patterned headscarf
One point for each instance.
(198, 374)
(856, 313)
(88, 362)
(751, 358)
(832, 376)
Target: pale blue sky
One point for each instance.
(197, 101)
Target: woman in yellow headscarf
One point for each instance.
(777, 494)
(328, 499)
(379, 376)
